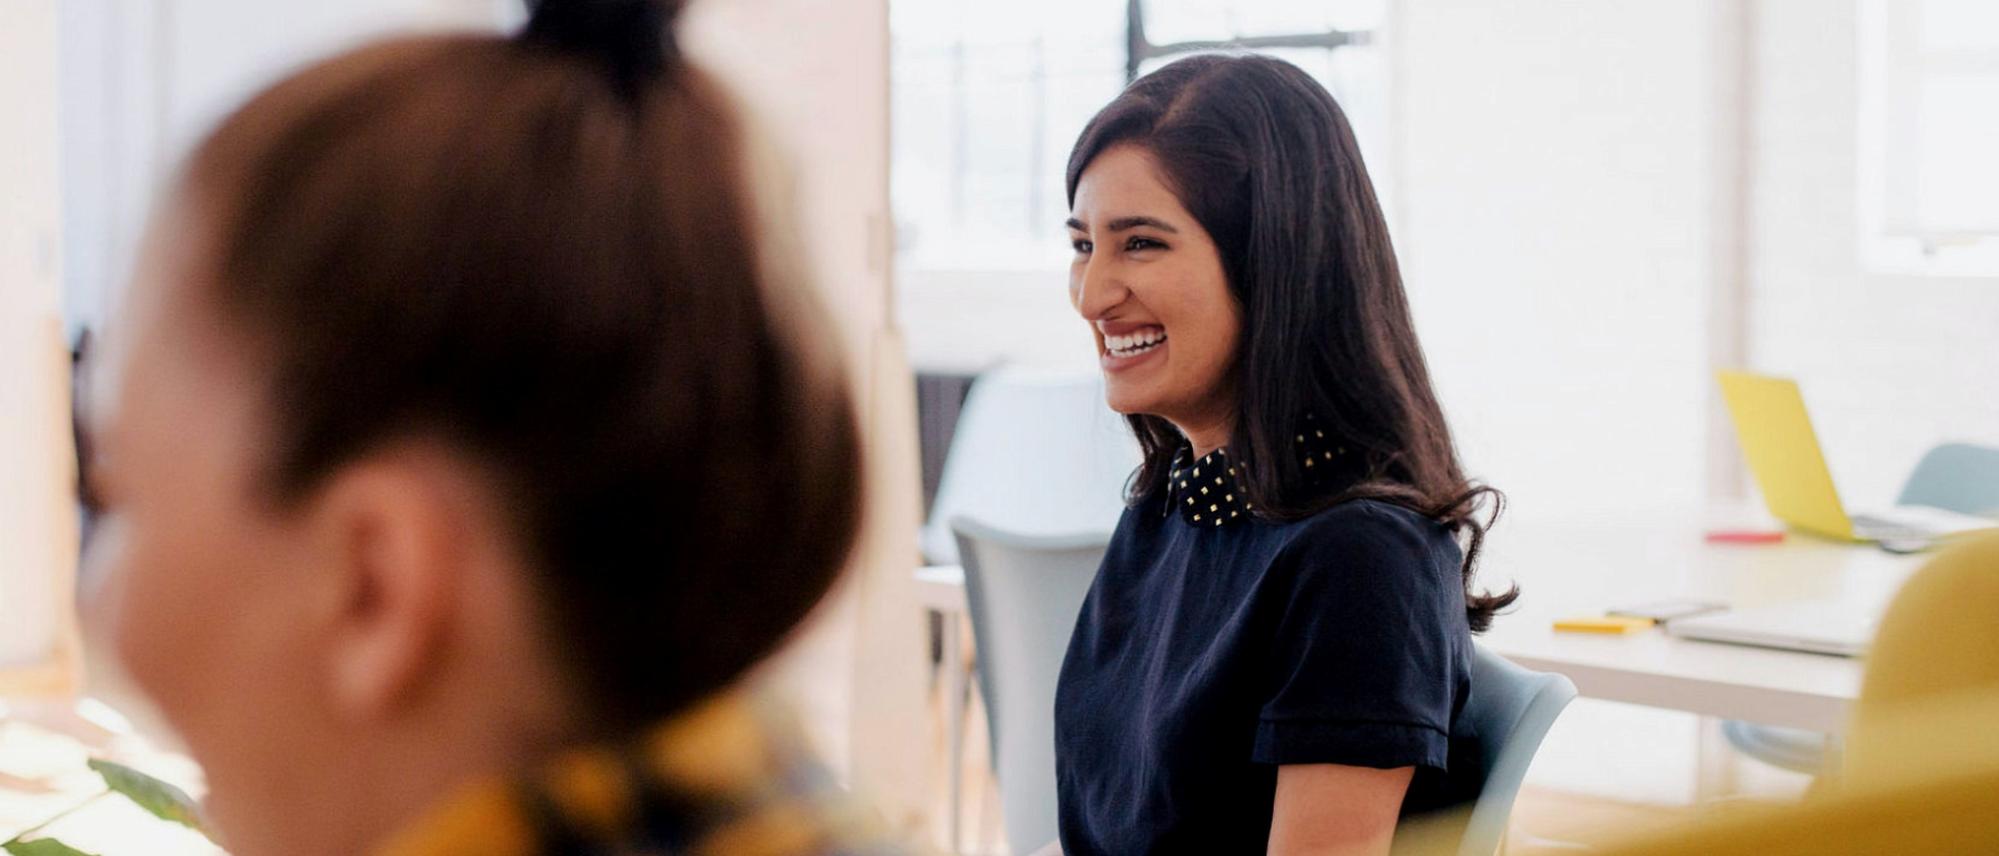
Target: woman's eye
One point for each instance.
(1081, 246)
(1138, 243)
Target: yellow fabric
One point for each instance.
(715, 749)
(481, 821)
(728, 778)
(1945, 813)
(590, 787)
(1941, 634)
(1922, 755)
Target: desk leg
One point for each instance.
(1714, 769)
(1834, 768)
(954, 728)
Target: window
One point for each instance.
(1930, 131)
(988, 97)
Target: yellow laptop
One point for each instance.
(1783, 451)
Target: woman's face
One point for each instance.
(1149, 280)
(202, 596)
(333, 660)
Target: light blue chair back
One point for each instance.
(1957, 477)
(1508, 714)
(1024, 592)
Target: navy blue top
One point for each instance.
(1209, 651)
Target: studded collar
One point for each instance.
(1208, 494)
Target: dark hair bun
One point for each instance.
(633, 38)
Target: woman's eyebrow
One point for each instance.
(1125, 224)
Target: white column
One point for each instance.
(815, 76)
(38, 526)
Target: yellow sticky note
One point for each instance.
(1602, 624)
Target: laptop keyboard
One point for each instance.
(1881, 529)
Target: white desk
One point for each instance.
(1583, 567)
(942, 588)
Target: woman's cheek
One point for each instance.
(160, 601)
(137, 608)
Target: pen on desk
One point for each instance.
(1611, 624)
(1745, 536)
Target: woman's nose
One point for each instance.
(1098, 290)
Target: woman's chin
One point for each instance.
(1127, 401)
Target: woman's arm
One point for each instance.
(1336, 810)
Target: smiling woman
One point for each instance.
(1150, 281)
(1286, 609)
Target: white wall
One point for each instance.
(1557, 239)
(1565, 226)
(142, 80)
(967, 320)
(1602, 198)
(1890, 365)
(37, 515)
(815, 78)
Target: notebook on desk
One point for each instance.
(1811, 626)
(1783, 452)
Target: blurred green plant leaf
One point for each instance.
(163, 800)
(41, 847)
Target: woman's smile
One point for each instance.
(1130, 350)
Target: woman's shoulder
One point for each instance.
(1373, 535)
(1368, 522)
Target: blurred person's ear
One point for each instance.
(400, 535)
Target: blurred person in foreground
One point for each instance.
(465, 444)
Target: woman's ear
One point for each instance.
(395, 527)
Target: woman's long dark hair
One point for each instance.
(1263, 157)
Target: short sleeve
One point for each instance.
(1369, 652)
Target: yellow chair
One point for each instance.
(1922, 754)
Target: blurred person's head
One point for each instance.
(1235, 265)
(462, 412)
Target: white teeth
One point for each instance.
(1136, 343)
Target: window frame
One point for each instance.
(1893, 238)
